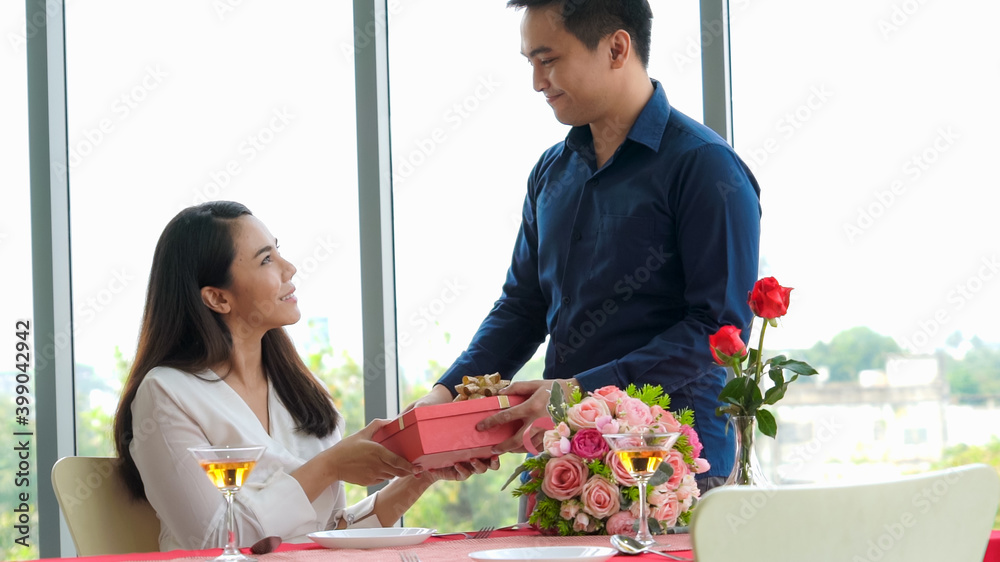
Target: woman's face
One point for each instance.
(261, 295)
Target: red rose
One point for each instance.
(588, 444)
(726, 341)
(769, 299)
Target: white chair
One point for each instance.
(941, 515)
(102, 516)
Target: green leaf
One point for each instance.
(774, 394)
(662, 474)
(517, 472)
(776, 360)
(735, 391)
(799, 367)
(766, 423)
(654, 527)
(557, 409)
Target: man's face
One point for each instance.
(573, 78)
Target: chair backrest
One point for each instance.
(102, 516)
(941, 515)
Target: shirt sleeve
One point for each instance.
(515, 327)
(271, 503)
(717, 214)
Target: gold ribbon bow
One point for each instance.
(481, 386)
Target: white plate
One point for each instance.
(546, 554)
(371, 538)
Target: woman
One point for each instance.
(215, 367)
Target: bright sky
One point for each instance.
(871, 135)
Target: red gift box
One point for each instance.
(445, 434)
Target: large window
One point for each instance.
(15, 247)
(467, 127)
(173, 104)
(872, 133)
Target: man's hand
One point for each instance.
(439, 394)
(463, 470)
(534, 407)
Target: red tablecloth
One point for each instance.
(500, 539)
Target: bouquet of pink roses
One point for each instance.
(580, 487)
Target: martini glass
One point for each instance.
(641, 454)
(228, 468)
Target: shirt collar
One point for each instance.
(647, 129)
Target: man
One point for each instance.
(639, 235)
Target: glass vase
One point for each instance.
(746, 467)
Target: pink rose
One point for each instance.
(588, 444)
(620, 523)
(667, 513)
(688, 489)
(555, 444)
(564, 477)
(606, 424)
(584, 415)
(693, 440)
(665, 420)
(660, 494)
(618, 469)
(701, 465)
(611, 396)
(569, 509)
(583, 524)
(634, 413)
(600, 497)
(676, 461)
(563, 430)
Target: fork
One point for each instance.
(408, 557)
(484, 533)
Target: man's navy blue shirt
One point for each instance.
(628, 269)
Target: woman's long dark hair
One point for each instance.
(196, 250)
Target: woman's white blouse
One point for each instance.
(173, 411)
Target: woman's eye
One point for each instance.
(267, 259)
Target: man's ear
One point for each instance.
(620, 43)
(216, 300)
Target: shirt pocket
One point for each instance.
(624, 244)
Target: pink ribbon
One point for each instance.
(545, 424)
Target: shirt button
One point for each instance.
(565, 300)
(594, 183)
(577, 236)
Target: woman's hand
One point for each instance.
(359, 460)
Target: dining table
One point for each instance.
(444, 548)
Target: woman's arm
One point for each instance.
(355, 459)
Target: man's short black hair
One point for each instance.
(592, 20)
